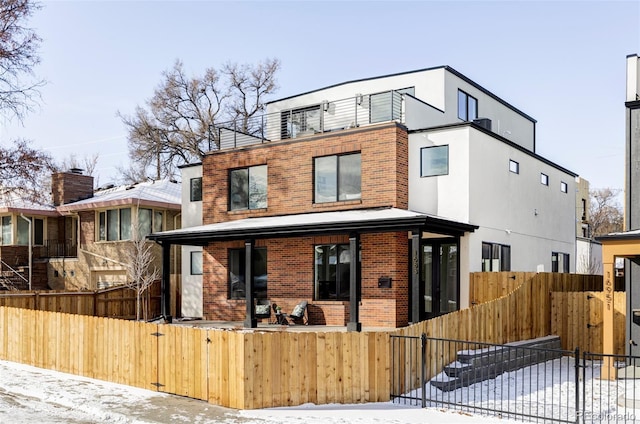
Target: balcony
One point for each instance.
(306, 120)
(57, 249)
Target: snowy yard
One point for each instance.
(29, 394)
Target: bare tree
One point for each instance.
(25, 170)
(140, 270)
(88, 163)
(179, 122)
(18, 56)
(605, 213)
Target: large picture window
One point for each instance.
(467, 106)
(248, 188)
(337, 178)
(237, 267)
(496, 257)
(332, 272)
(434, 161)
(37, 228)
(114, 225)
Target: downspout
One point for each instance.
(30, 249)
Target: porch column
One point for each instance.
(250, 320)
(354, 284)
(165, 283)
(608, 371)
(415, 276)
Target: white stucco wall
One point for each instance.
(191, 216)
(511, 209)
(633, 78)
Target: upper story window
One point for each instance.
(514, 166)
(467, 106)
(496, 257)
(434, 161)
(298, 122)
(195, 188)
(559, 262)
(7, 232)
(337, 178)
(564, 189)
(248, 188)
(149, 221)
(544, 179)
(37, 231)
(114, 224)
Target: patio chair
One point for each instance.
(300, 313)
(263, 309)
(281, 317)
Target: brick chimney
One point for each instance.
(70, 186)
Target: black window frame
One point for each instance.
(342, 289)
(260, 283)
(544, 179)
(193, 254)
(337, 193)
(555, 258)
(516, 168)
(195, 189)
(564, 187)
(464, 97)
(496, 251)
(247, 204)
(422, 165)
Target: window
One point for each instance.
(114, 225)
(6, 230)
(248, 188)
(496, 257)
(544, 179)
(467, 106)
(37, 228)
(337, 178)
(559, 262)
(300, 122)
(195, 188)
(563, 187)
(149, 221)
(332, 272)
(514, 166)
(237, 258)
(196, 263)
(434, 161)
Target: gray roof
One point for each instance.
(162, 193)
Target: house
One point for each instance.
(373, 200)
(80, 241)
(626, 245)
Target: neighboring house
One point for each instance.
(81, 241)
(588, 250)
(374, 199)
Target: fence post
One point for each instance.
(577, 377)
(423, 369)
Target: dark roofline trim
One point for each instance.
(499, 138)
(189, 165)
(634, 104)
(424, 223)
(619, 237)
(445, 67)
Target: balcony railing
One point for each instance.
(317, 118)
(59, 249)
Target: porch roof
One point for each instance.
(359, 220)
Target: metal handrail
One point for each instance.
(306, 120)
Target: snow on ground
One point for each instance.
(29, 394)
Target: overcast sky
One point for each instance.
(563, 63)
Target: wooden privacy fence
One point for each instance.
(257, 369)
(116, 302)
(236, 369)
(577, 318)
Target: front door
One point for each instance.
(439, 280)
